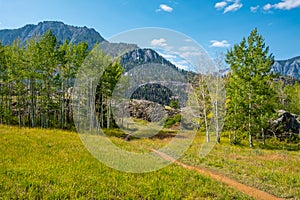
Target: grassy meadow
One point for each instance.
(274, 167)
(54, 164)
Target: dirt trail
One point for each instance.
(251, 191)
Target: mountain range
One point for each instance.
(132, 54)
(289, 68)
(141, 64)
(59, 29)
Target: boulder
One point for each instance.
(285, 125)
(150, 111)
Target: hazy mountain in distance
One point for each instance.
(289, 68)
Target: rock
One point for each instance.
(285, 125)
(149, 111)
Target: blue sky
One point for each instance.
(214, 24)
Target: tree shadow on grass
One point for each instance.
(270, 145)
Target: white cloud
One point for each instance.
(216, 43)
(189, 48)
(167, 56)
(159, 42)
(229, 5)
(164, 7)
(176, 59)
(188, 40)
(267, 6)
(188, 51)
(189, 54)
(182, 64)
(288, 4)
(254, 8)
(220, 5)
(284, 5)
(233, 7)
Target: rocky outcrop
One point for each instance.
(285, 125)
(149, 111)
(138, 57)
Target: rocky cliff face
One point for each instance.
(143, 56)
(149, 111)
(289, 68)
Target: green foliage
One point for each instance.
(35, 79)
(248, 85)
(104, 91)
(174, 103)
(293, 95)
(172, 120)
(36, 82)
(153, 92)
(114, 132)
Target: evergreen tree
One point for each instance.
(248, 86)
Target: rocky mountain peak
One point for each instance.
(290, 67)
(60, 30)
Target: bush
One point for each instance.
(172, 120)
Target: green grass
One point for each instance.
(274, 167)
(53, 164)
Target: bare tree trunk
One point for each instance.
(205, 116)
(249, 124)
(33, 104)
(62, 108)
(91, 106)
(108, 114)
(10, 104)
(203, 102)
(263, 136)
(234, 136)
(102, 112)
(1, 107)
(250, 140)
(19, 110)
(78, 113)
(217, 123)
(235, 123)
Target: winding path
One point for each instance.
(248, 190)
